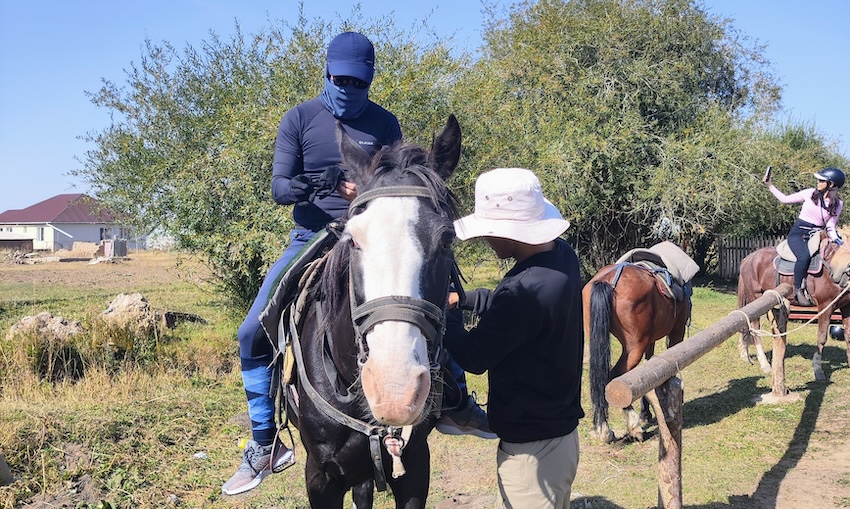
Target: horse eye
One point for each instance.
(447, 239)
(355, 233)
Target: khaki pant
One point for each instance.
(537, 474)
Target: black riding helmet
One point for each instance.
(831, 174)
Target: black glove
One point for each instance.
(302, 188)
(328, 181)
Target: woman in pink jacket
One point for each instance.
(820, 210)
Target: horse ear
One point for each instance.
(355, 160)
(445, 151)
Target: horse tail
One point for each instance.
(601, 305)
(742, 297)
(747, 278)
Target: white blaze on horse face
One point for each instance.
(396, 376)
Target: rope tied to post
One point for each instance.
(783, 302)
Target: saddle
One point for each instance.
(672, 267)
(838, 266)
(784, 262)
(275, 317)
(286, 287)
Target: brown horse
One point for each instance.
(635, 311)
(758, 274)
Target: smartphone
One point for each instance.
(767, 174)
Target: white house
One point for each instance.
(58, 222)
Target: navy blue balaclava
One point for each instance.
(349, 54)
(344, 102)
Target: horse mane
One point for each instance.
(837, 257)
(392, 165)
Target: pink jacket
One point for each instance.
(811, 212)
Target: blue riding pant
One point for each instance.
(798, 241)
(255, 349)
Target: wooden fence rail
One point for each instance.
(659, 372)
(731, 250)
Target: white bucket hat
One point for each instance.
(509, 204)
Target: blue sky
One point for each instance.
(52, 52)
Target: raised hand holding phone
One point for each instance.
(767, 175)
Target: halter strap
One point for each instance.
(390, 191)
(415, 311)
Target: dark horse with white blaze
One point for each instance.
(624, 300)
(758, 274)
(367, 328)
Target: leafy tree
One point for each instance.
(190, 148)
(643, 118)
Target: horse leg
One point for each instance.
(603, 432)
(645, 413)
(633, 423)
(633, 419)
(747, 338)
(744, 342)
(846, 324)
(411, 489)
(817, 358)
(322, 489)
(363, 495)
(774, 320)
(601, 429)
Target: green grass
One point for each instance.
(127, 433)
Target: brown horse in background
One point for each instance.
(758, 274)
(637, 314)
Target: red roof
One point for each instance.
(62, 208)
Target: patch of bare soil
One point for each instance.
(142, 268)
(471, 481)
(81, 492)
(821, 477)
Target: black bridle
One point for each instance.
(429, 318)
(423, 314)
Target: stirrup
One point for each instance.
(802, 298)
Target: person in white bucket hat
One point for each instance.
(509, 204)
(529, 338)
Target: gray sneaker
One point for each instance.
(469, 420)
(256, 465)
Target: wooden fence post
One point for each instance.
(667, 400)
(778, 389)
(661, 369)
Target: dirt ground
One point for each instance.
(820, 478)
(144, 268)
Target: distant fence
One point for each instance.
(731, 250)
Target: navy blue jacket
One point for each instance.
(530, 339)
(306, 143)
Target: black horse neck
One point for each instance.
(339, 352)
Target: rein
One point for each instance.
(393, 438)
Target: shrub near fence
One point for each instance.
(731, 250)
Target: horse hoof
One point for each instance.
(637, 436)
(766, 369)
(606, 437)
